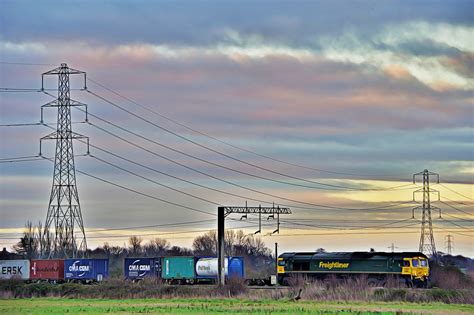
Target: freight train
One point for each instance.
(410, 268)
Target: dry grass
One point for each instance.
(450, 277)
(347, 290)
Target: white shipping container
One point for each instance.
(207, 267)
(15, 269)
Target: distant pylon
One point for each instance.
(449, 244)
(64, 210)
(427, 242)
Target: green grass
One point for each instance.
(218, 306)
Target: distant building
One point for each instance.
(5, 255)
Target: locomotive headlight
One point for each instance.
(281, 265)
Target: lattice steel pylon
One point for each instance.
(427, 242)
(64, 210)
(449, 244)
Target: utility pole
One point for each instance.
(276, 263)
(392, 247)
(449, 241)
(224, 211)
(427, 242)
(64, 210)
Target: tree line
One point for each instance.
(36, 243)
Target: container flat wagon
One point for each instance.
(86, 270)
(410, 268)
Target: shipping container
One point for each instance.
(47, 269)
(139, 268)
(179, 267)
(18, 269)
(236, 267)
(86, 269)
(206, 267)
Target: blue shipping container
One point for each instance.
(236, 267)
(139, 268)
(86, 269)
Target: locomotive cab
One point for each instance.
(417, 269)
(281, 265)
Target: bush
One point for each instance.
(449, 277)
(235, 286)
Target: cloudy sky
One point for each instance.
(328, 107)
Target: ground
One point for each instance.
(218, 306)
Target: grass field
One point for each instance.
(218, 306)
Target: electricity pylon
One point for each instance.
(64, 210)
(449, 244)
(427, 242)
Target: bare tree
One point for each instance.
(205, 245)
(28, 244)
(135, 245)
(156, 247)
(44, 240)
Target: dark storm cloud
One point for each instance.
(203, 22)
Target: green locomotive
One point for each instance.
(410, 268)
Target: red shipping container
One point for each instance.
(47, 269)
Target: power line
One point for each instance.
(213, 163)
(26, 64)
(172, 233)
(37, 124)
(206, 174)
(345, 233)
(18, 161)
(339, 187)
(144, 194)
(224, 142)
(191, 182)
(458, 202)
(20, 157)
(155, 182)
(457, 209)
(217, 178)
(141, 193)
(354, 227)
(150, 226)
(458, 233)
(458, 193)
(244, 197)
(458, 225)
(27, 159)
(20, 90)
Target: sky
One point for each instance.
(327, 107)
